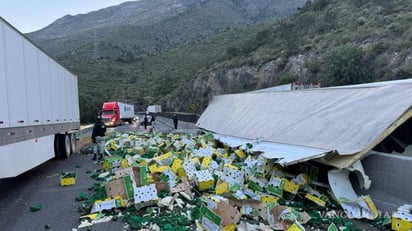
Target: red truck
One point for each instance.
(114, 113)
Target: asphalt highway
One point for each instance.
(40, 188)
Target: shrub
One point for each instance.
(287, 77)
(361, 21)
(345, 65)
(404, 72)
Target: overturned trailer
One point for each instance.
(348, 129)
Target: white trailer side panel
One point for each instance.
(26, 155)
(45, 89)
(126, 110)
(73, 99)
(4, 115)
(76, 108)
(63, 94)
(16, 84)
(154, 108)
(32, 83)
(54, 91)
(36, 93)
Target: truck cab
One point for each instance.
(110, 114)
(114, 113)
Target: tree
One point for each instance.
(345, 65)
(87, 109)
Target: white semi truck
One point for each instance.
(154, 109)
(39, 112)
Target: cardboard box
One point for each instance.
(296, 226)
(290, 186)
(402, 218)
(177, 163)
(363, 207)
(140, 175)
(219, 216)
(189, 169)
(145, 196)
(123, 187)
(165, 159)
(182, 187)
(115, 188)
(284, 217)
(275, 186)
(121, 172)
(67, 178)
(107, 204)
(169, 177)
(250, 207)
(258, 184)
(206, 162)
(204, 180)
(315, 199)
(203, 152)
(234, 173)
(112, 162)
(209, 219)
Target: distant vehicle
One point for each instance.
(40, 105)
(114, 113)
(154, 109)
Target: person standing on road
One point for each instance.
(175, 120)
(152, 120)
(98, 134)
(145, 122)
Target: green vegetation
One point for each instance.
(345, 65)
(147, 79)
(342, 42)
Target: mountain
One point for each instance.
(139, 52)
(219, 47)
(149, 26)
(328, 42)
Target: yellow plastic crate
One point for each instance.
(67, 178)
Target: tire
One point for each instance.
(72, 143)
(62, 146)
(66, 146)
(57, 144)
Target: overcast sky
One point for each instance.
(32, 15)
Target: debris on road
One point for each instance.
(402, 218)
(182, 182)
(82, 196)
(67, 178)
(36, 207)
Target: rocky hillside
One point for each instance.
(140, 52)
(224, 46)
(331, 42)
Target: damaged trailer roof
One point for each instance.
(284, 153)
(350, 121)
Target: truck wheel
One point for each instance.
(66, 146)
(57, 149)
(72, 143)
(62, 146)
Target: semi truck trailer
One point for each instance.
(39, 105)
(114, 113)
(154, 109)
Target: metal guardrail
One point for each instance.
(84, 131)
(186, 122)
